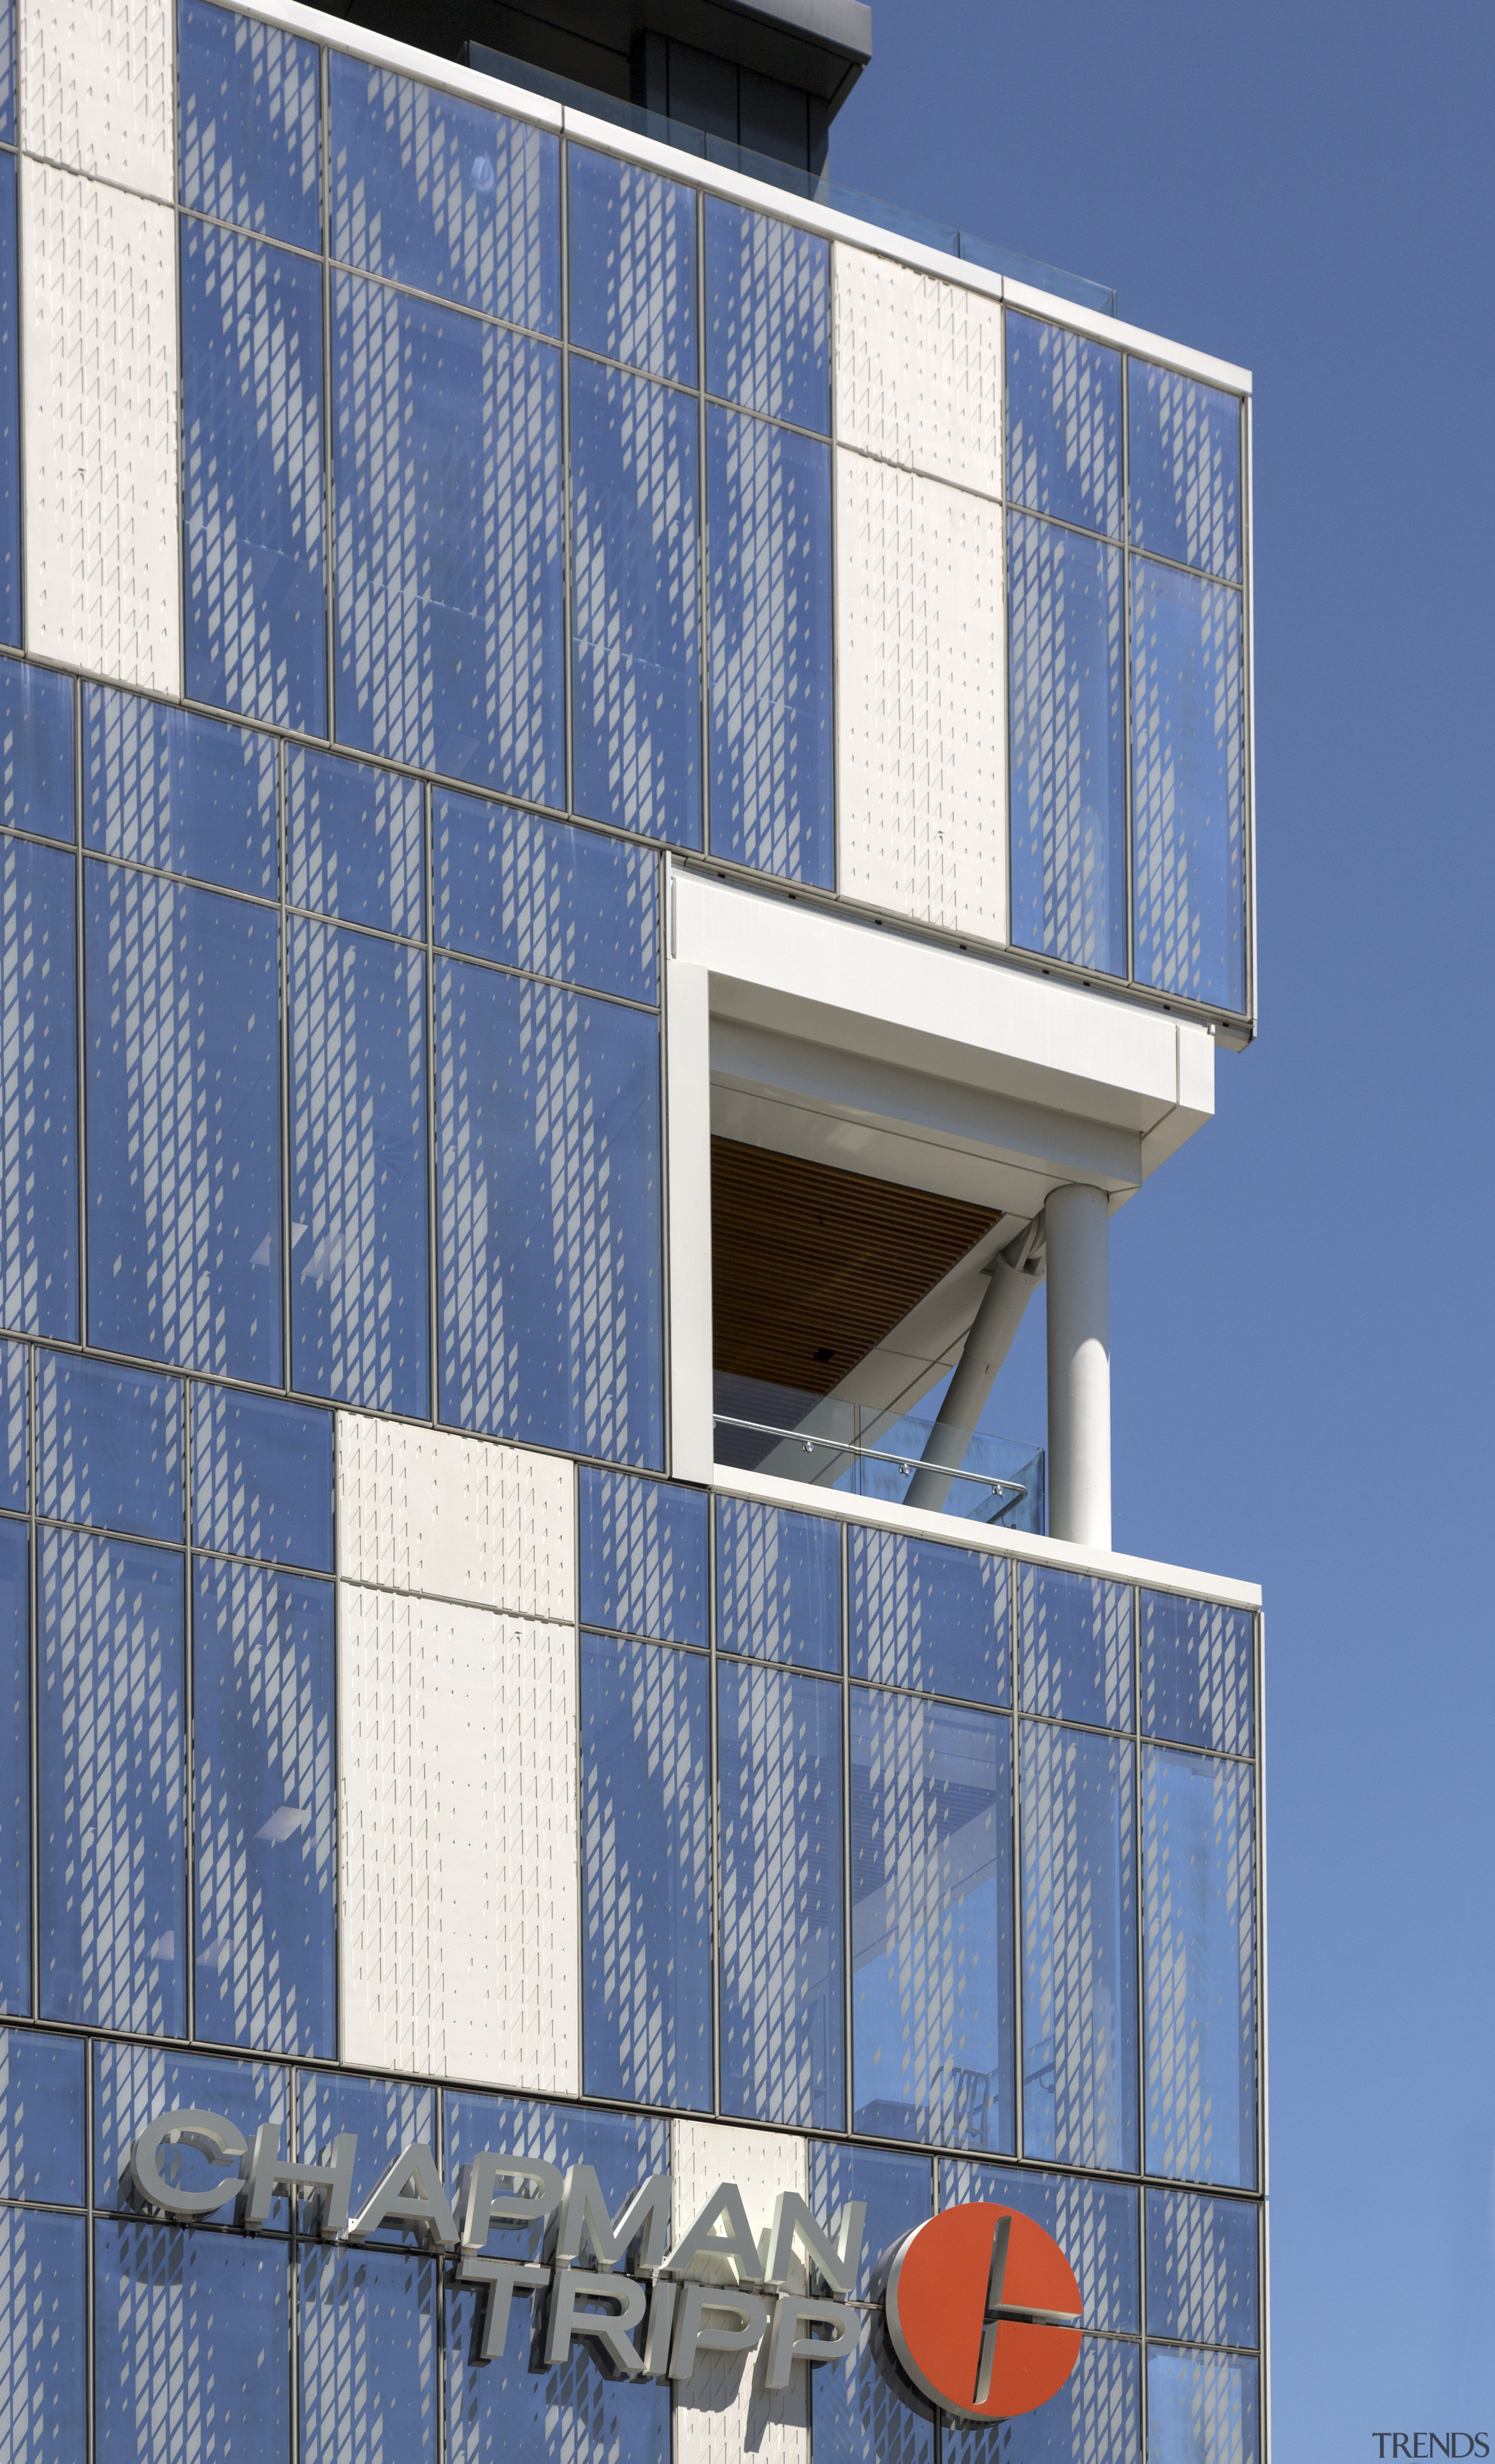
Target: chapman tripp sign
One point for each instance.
(717, 2289)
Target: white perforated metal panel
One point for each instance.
(921, 693)
(455, 1518)
(723, 2413)
(918, 370)
(458, 1941)
(100, 388)
(96, 89)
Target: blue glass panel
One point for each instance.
(1185, 475)
(1202, 2267)
(768, 500)
(356, 846)
(110, 1767)
(549, 1172)
(369, 2357)
(932, 2016)
(164, 787)
(261, 1478)
(632, 242)
(636, 604)
(782, 1952)
(9, 416)
(1096, 2418)
(134, 2083)
(108, 1446)
(1188, 785)
(1069, 752)
(250, 100)
(37, 789)
(547, 897)
(192, 2347)
(265, 1874)
(359, 1294)
(929, 1618)
(450, 548)
(16, 1770)
(1202, 2409)
(645, 1872)
(1198, 1964)
(623, 2148)
(251, 418)
(768, 315)
(14, 1475)
(895, 2190)
(38, 1091)
(44, 2386)
(1075, 1647)
(41, 2117)
(1197, 1672)
(516, 2411)
(440, 196)
(861, 2415)
(642, 1552)
(1079, 1948)
(383, 2115)
(777, 1584)
(1094, 2223)
(1064, 425)
(182, 990)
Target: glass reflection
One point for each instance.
(1199, 1967)
(1079, 1948)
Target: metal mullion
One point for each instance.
(567, 555)
(432, 1110)
(267, 902)
(580, 1783)
(283, 814)
(703, 524)
(848, 2100)
(1128, 728)
(328, 520)
(33, 1586)
(715, 1798)
(1015, 1836)
(189, 1707)
(89, 2193)
(80, 1013)
(1140, 1976)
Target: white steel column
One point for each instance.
(1079, 1366)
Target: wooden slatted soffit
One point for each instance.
(812, 1268)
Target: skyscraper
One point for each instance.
(627, 817)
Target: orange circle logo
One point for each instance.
(984, 2312)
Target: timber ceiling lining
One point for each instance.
(812, 1268)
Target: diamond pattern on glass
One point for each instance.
(1068, 746)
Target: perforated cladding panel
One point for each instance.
(460, 1518)
(96, 89)
(922, 699)
(457, 1735)
(100, 360)
(723, 2413)
(918, 372)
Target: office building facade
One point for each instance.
(626, 811)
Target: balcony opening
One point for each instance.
(839, 1302)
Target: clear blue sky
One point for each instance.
(1301, 1302)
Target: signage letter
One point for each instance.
(837, 2260)
(212, 2132)
(748, 2315)
(786, 2346)
(736, 2246)
(269, 2173)
(584, 2217)
(610, 2327)
(483, 2207)
(503, 2277)
(423, 2206)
